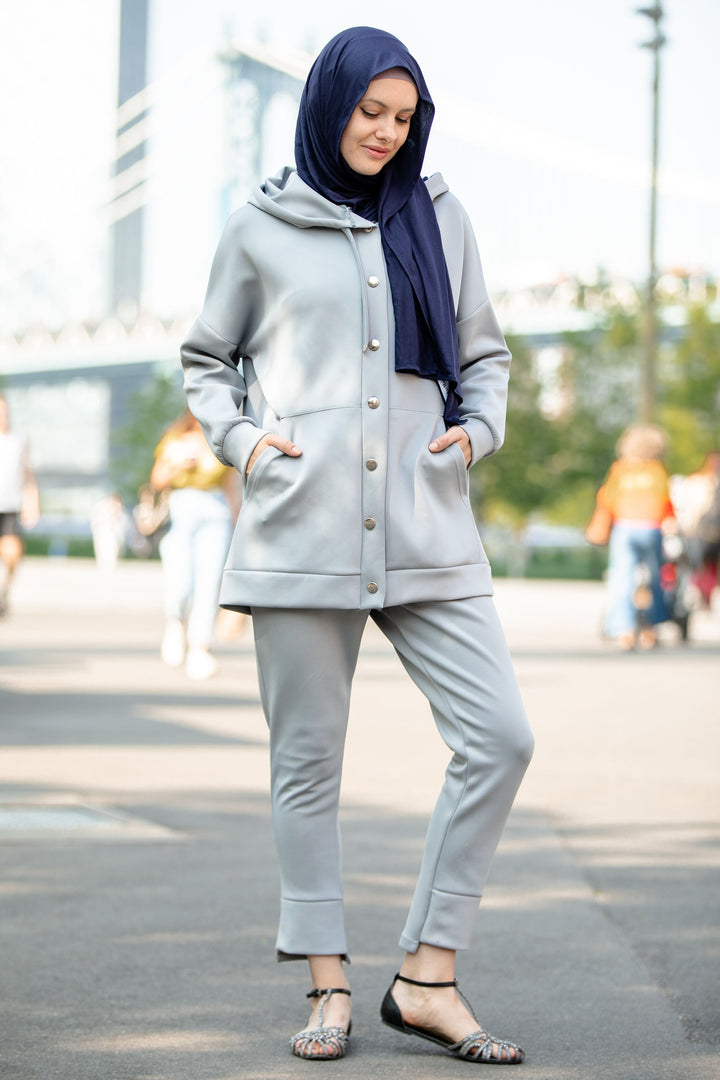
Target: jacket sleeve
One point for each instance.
(484, 356)
(212, 352)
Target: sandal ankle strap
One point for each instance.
(329, 990)
(415, 982)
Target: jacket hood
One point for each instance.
(436, 185)
(288, 197)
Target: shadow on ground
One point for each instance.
(156, 959)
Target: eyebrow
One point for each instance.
(376, 101)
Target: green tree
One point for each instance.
(689, 397)
(601, 383)
(523, 477)
(554, 461)
(150, 411)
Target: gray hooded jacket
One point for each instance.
(297, 337)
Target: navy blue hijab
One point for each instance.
(425, 328)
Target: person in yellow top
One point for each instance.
(636, 492)
(194, 549)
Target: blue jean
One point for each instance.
(193, 555)
(630, 545)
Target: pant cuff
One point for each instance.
(284, 957)
(448, 923)
(311, 928)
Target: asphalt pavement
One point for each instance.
(139, 891)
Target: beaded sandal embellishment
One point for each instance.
(333, 1040)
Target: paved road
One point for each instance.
(138, 896)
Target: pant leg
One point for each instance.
(455, 652)
(210, 543)
(175, 556)
(621, 616)
(652, 553)
(306, 660)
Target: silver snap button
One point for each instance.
(369, 228)
(371, 464)
(373, 281)
(372, 587)
(369, 523)
(374, 345)
(373, 402)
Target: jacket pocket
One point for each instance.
(303, 514)
(251, 482)
(455, 450)
(430, 520)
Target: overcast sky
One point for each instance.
(542, 129)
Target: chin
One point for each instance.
(363, 165)
(367, 168)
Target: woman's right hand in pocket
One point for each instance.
(285, 445)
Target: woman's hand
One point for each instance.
(285, 445)
(454, 434)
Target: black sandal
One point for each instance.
(333, 1040)
(478, 1046)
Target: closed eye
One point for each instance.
(374, 116)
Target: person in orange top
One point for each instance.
(636, 491)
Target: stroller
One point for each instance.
(675, 582)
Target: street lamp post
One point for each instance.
(649, 363)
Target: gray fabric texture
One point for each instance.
(455, 652)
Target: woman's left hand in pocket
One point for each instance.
(453, 434)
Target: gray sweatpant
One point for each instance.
(455, 652)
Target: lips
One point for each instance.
(377, 151)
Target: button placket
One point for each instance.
(374, 382)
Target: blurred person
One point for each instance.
(194, 548)
(109, 527)
(636, 494)
(19, 502)
(696, 498)
(349, 365)
(150, 521)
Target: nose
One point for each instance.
(385, 129)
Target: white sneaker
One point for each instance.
(200, 664)
(172, 649)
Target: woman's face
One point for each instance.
(379, 125)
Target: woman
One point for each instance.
(194, 548)
(348, 363)
(636, 494)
